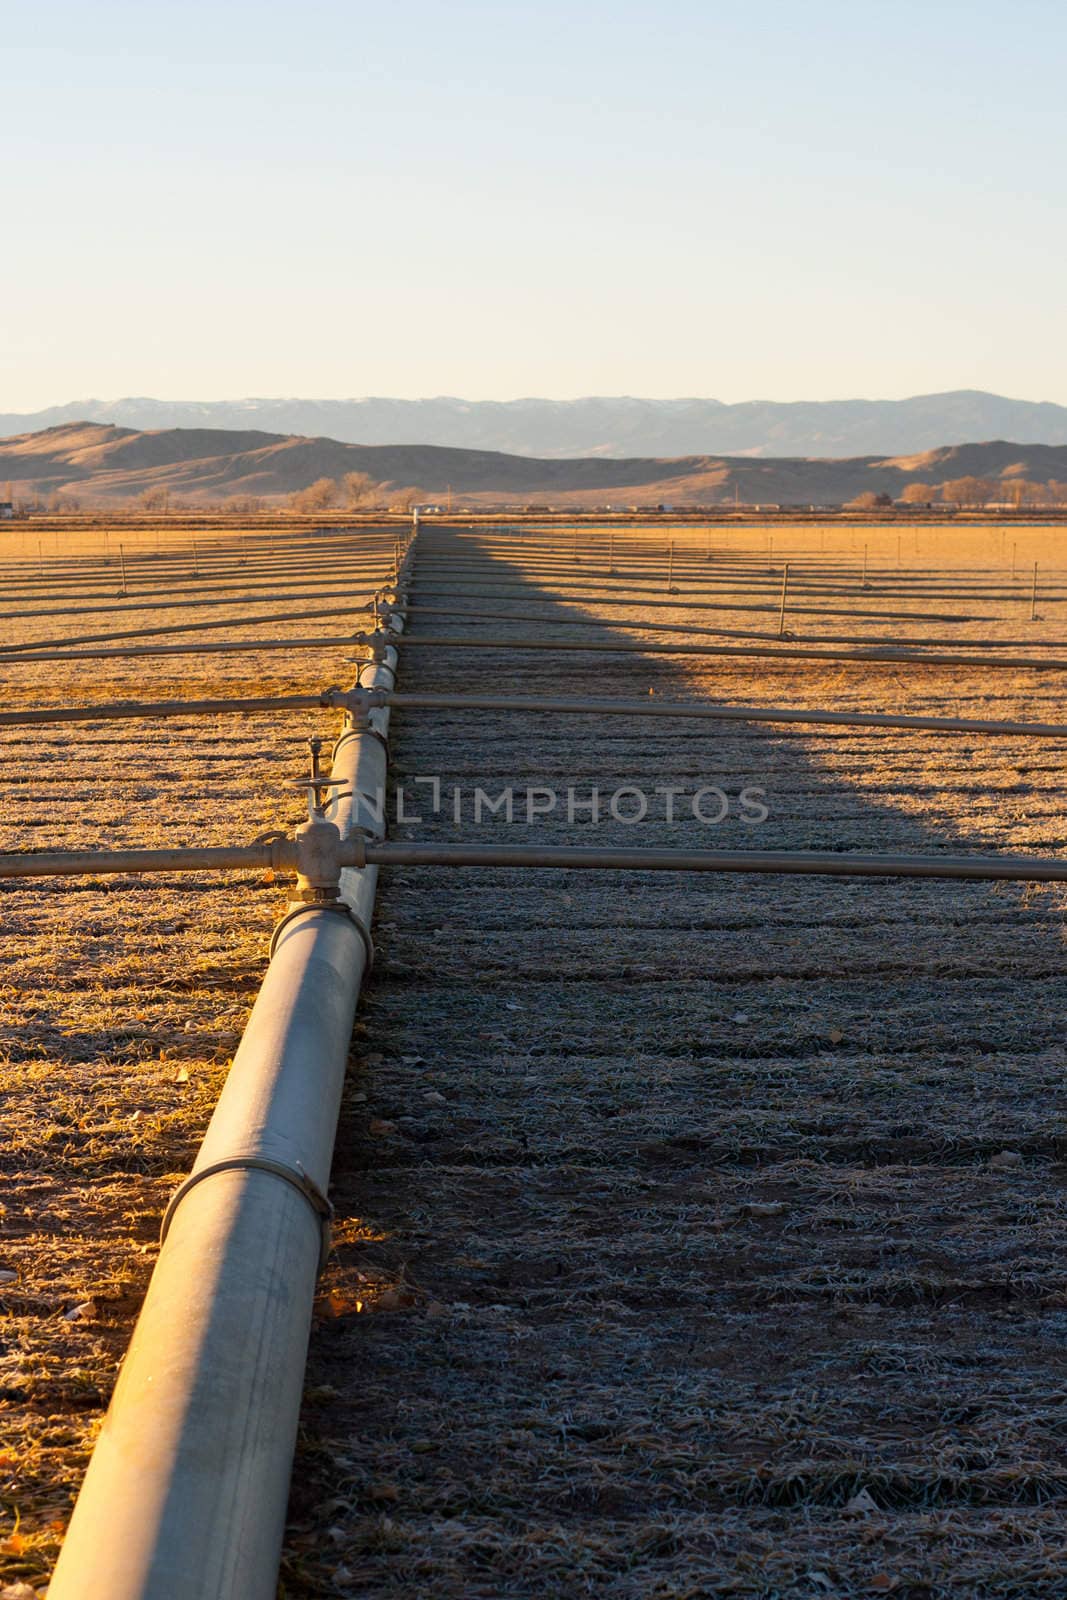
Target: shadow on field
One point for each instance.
(694, 1231)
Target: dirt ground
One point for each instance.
(696, 1235)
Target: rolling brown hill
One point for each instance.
(100, 464)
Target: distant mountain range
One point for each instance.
(615, 428)
(97, 463)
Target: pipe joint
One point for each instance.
(318, 861)
(338, 908)
(294, 1175)
(358, 704)
(377, 643)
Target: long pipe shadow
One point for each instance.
(723, 1077)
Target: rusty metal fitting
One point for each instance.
(377, 643)
(357, 704)
(318, 861)
(353, 852)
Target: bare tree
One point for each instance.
(919, 494)
(1021, 492)
(318, 496)
(968, 491)
(869, 500)
(360, 489)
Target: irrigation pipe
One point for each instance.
(279, 854)
(186, 1493)
(161, 603)
(117, 710)
(792, 652)
(176, 627)
(362, 855)
(208, 647)
(575, 593)
(650, 707)
(826, 863)
(150, 583)
(587, 618)
(654, 707)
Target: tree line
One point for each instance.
(355, 491)
(969, 492)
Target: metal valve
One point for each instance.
(315, 785)
(377, 643)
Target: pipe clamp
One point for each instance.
(295, 1176)
(339, 907)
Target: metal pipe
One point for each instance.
(358, 809)
(654, 707)
(585, 618)
(651, 707)
(201, 648)
(186, 1493)
(573, 593)
(114, 710)
(159, 603)
(358, 855)
(793, 652)
(278, 854)
(177, 627)
(827, 863)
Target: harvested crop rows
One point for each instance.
(696, 1233)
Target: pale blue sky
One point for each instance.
(781, 200)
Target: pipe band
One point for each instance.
(294, 1176)
(339, 908)
(362, 731)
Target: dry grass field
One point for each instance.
(697, 1235)
(122, 1001)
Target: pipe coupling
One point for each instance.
(318, 861)
(377, 643)
(294, 1175)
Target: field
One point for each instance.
(696, 1235)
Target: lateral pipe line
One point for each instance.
(1020, 869)
(186, 1493)
(651, 707)
(279, 855)
(177, 627)
(361, 855)
(160, 604)
(577, 594)
(458, 613)
(208, 647)
(144, 576)
(119, 709)
(152, 569)
(654, 576)
(716, 711)
(520, 592)
(818, 578)
(147, 591)
(793, 652)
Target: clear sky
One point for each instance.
(786, 200)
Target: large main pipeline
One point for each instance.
(186, 1493)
